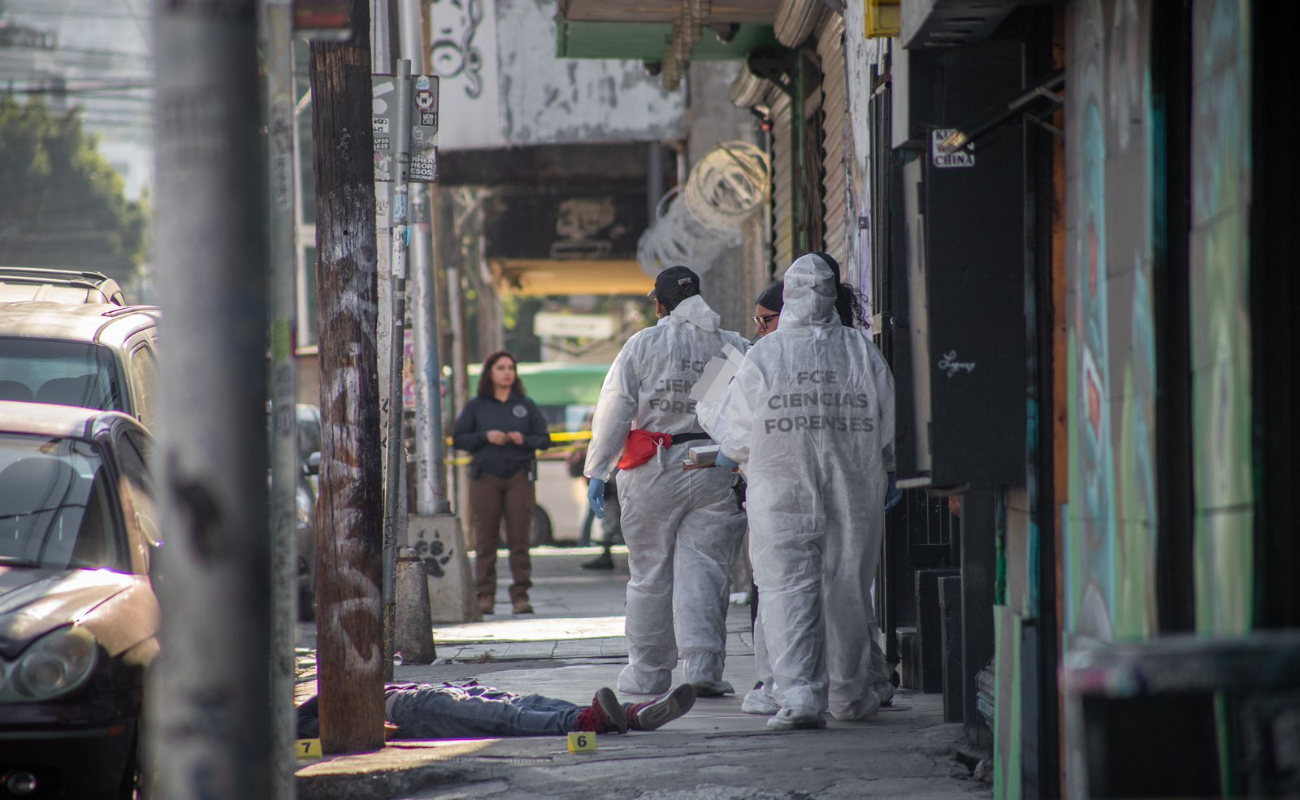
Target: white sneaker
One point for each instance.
(712, 688)
(758, 701)
(787, 720)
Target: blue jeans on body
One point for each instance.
(465, 710)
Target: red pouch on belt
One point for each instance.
(641, 446)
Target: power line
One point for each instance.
(81, 91)
(61, 14)
(80, 51)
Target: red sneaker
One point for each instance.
(605, 715)
(662, 710)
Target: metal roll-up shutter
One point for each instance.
(797, 19)
(837, 209)
(783, 143)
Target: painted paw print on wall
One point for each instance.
(434, 554)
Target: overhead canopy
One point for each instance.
(564, 241)
(549, 277)
(668, 34)
(559, 384)
(646, 41)
(665, 10)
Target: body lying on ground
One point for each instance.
(468, 709)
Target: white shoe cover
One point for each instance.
(758, 701)
(788, 719)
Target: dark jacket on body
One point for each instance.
(483, 414)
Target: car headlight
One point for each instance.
(55, 664)
(304, 509)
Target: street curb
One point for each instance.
(380, 784)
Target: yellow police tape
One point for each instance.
(582, 742)
(557, 436)
(460, 461)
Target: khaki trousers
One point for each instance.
(489, 498)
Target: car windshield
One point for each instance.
(54, 505)
(58, 373)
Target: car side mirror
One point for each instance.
(312, 465)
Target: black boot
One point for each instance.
(602, 561)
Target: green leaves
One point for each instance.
(61, 203)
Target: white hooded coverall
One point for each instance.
(810, 419)
(681, 528)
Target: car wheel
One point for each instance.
(132, 785)
(543, 532)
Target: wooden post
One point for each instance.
(350, 523)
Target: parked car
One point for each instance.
(308, 422)
(78, 614)
(58, 286)
(92, 355)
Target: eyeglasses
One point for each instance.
(764, 321)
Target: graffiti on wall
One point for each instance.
(455, 53)
(503, 86)
(1111, 517)
(1220, 314)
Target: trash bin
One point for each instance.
(1186, 716)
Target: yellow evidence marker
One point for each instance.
(582, 742)
(308, 748)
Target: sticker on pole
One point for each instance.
(381, 124)
(424, 129)
(582, 742)
(963, 156)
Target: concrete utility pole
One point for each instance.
(207, 728)
(349, 527)
(276, 23)
(430, 450)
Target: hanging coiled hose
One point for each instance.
(693, 227)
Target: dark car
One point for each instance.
(308, 418)
(58, 286)
(89, 355)
(78, 615)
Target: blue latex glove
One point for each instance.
(596, 497)
(894, 494)
(724, 462)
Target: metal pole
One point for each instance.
(209, 692)
(392, 484)
(381, 61)
(430, 449)
(460, 375)
(276, 20)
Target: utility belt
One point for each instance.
(642, 445)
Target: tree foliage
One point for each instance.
(61, 204)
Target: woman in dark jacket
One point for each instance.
(504, 430)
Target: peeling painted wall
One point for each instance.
(503, 84)
(1110, 521)
(862, 56)
(1220, 273)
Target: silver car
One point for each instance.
(91, 355)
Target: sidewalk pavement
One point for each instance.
(573, 646)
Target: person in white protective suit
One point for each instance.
(682, 528)
(809, 418)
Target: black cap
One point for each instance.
(773, 297)
(674, 285)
